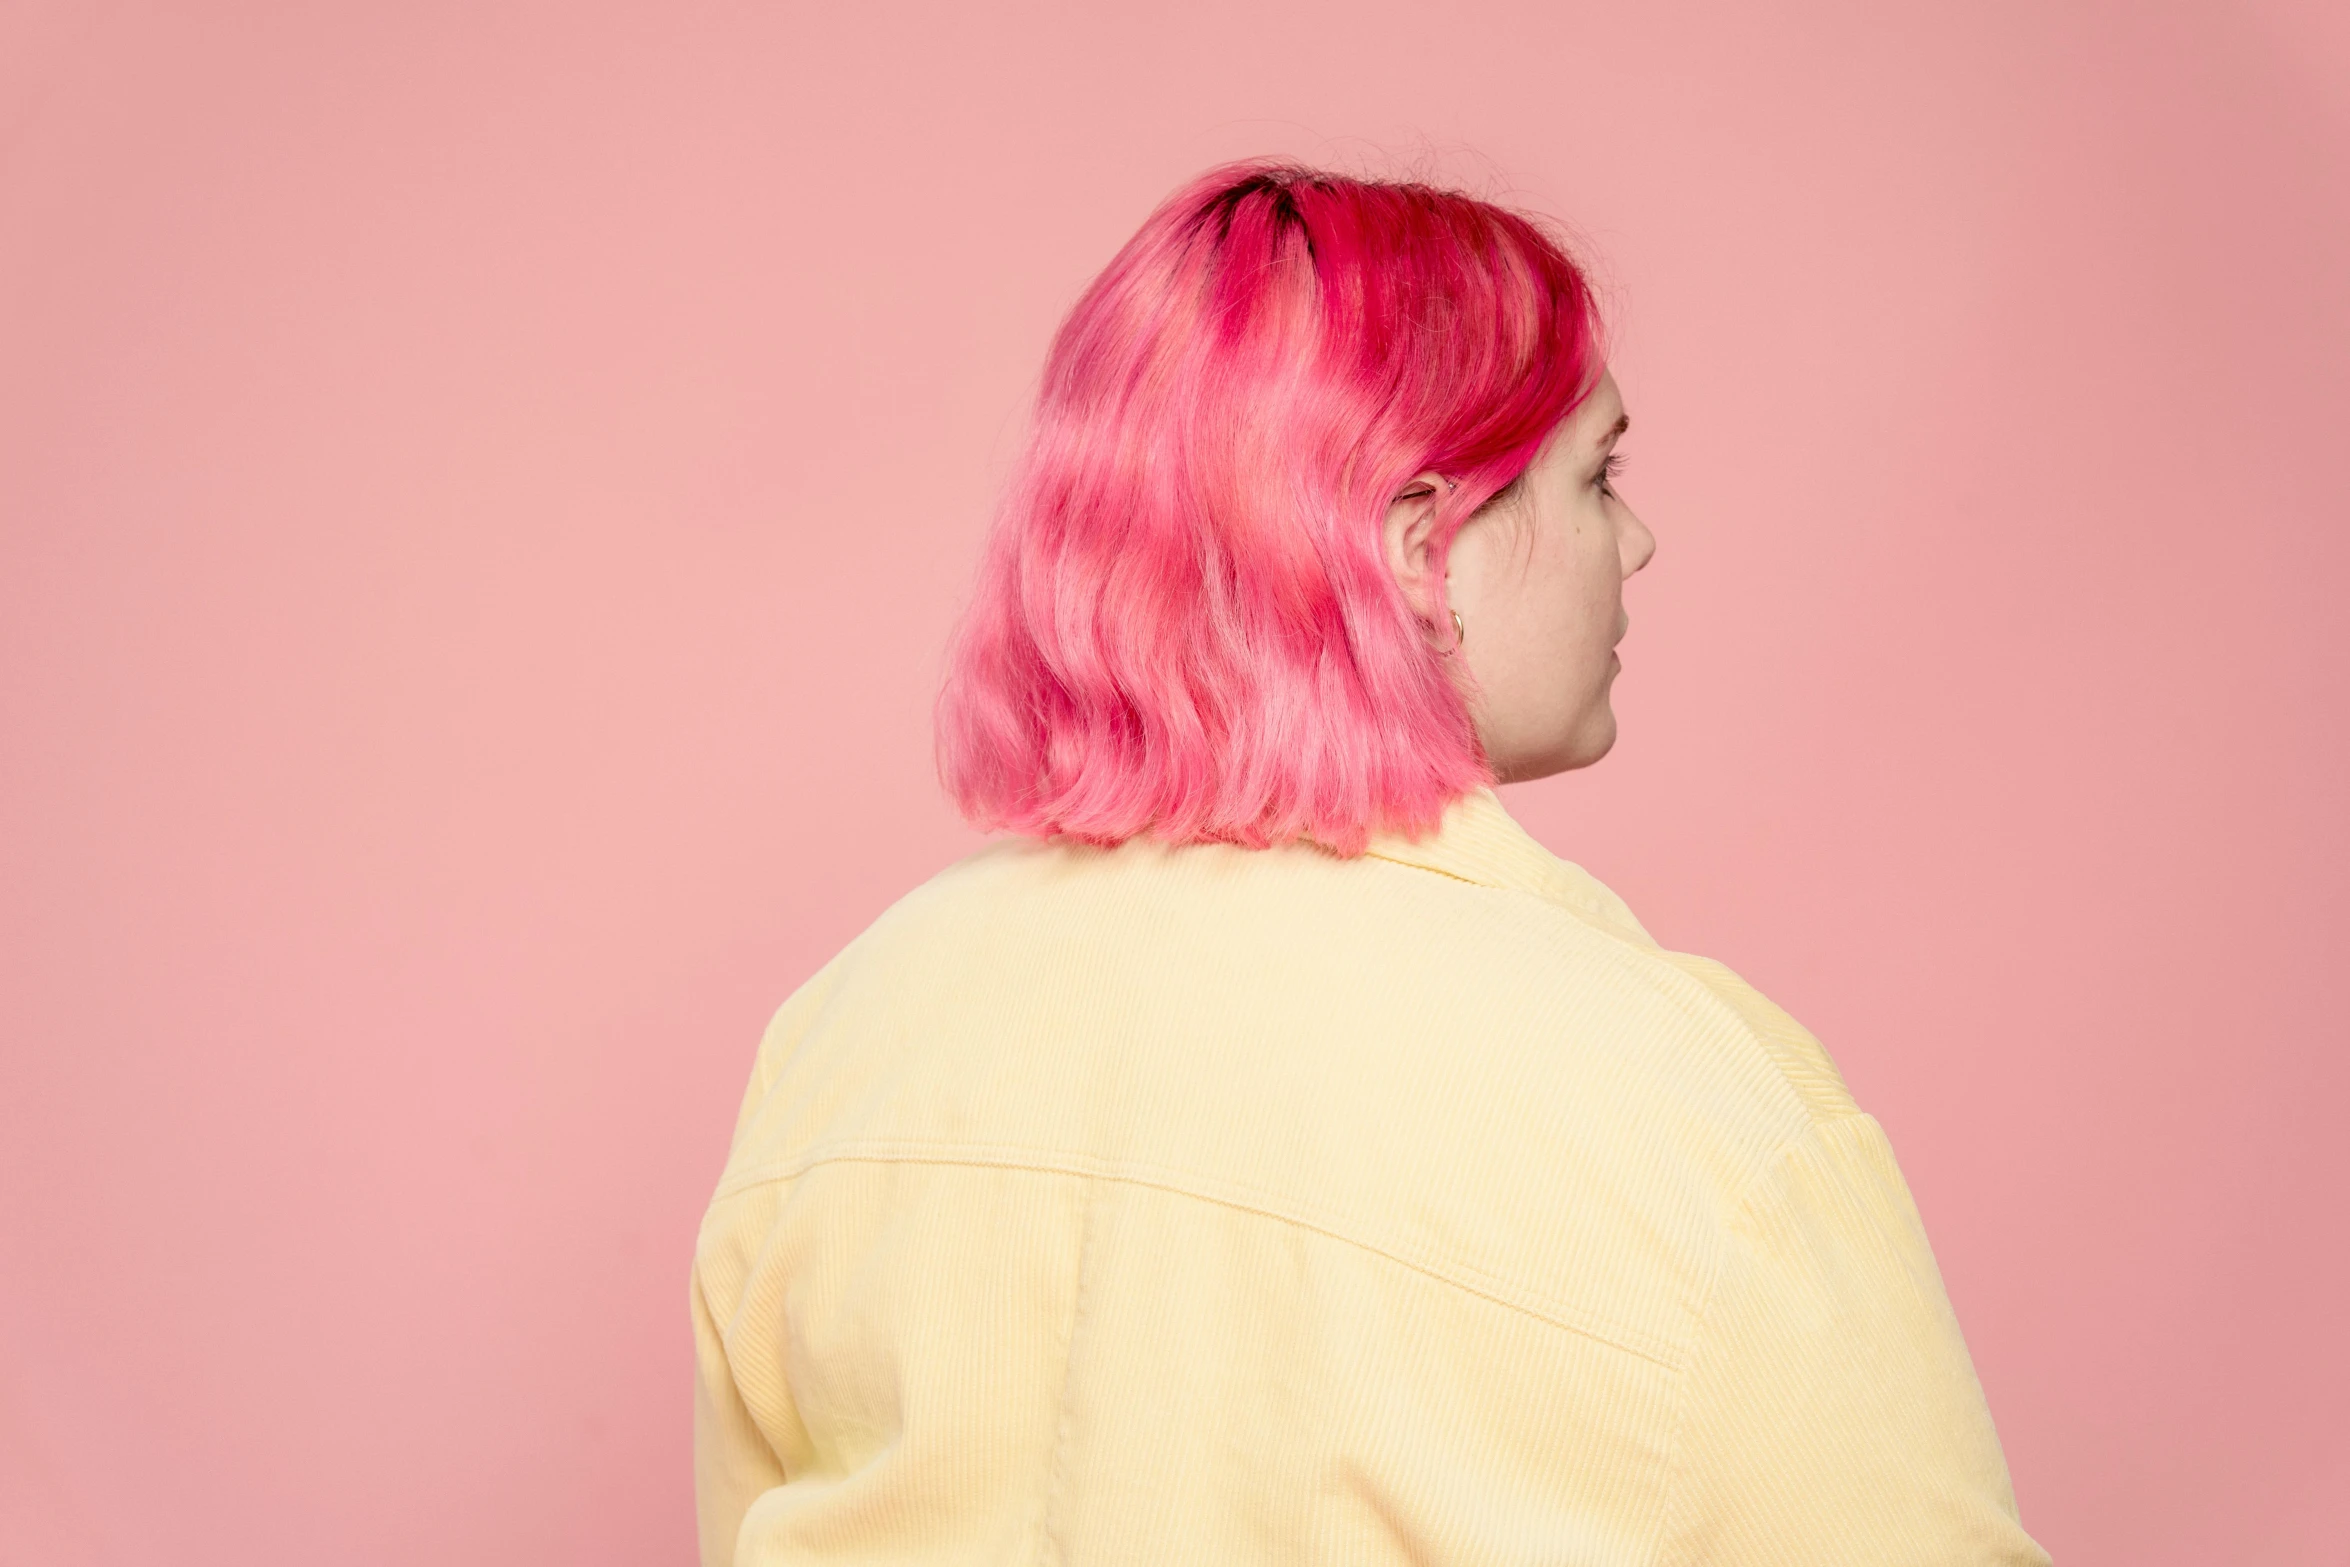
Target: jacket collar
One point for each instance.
(1479, 841)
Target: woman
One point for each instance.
(1270, 1153)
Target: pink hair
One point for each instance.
(1184, 624)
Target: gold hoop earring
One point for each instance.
(1459, 636)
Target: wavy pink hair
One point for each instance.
(1184, 624)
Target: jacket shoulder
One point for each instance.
(1793, 1052)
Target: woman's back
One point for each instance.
(1212, 1204)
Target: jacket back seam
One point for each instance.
(1471, 1281)
(1048, 1543)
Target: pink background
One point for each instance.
(484, 492)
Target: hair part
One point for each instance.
(1184, 625)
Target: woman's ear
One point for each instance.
(1405, 540)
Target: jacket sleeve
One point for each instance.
(1831, 1413)
(732, 1462)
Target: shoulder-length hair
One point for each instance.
(1184, 625)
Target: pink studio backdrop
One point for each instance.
(483, 491)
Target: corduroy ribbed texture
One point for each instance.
(1198, 1205)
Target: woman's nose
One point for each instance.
(1639, 546)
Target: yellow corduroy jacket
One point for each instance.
(1229, 1207)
